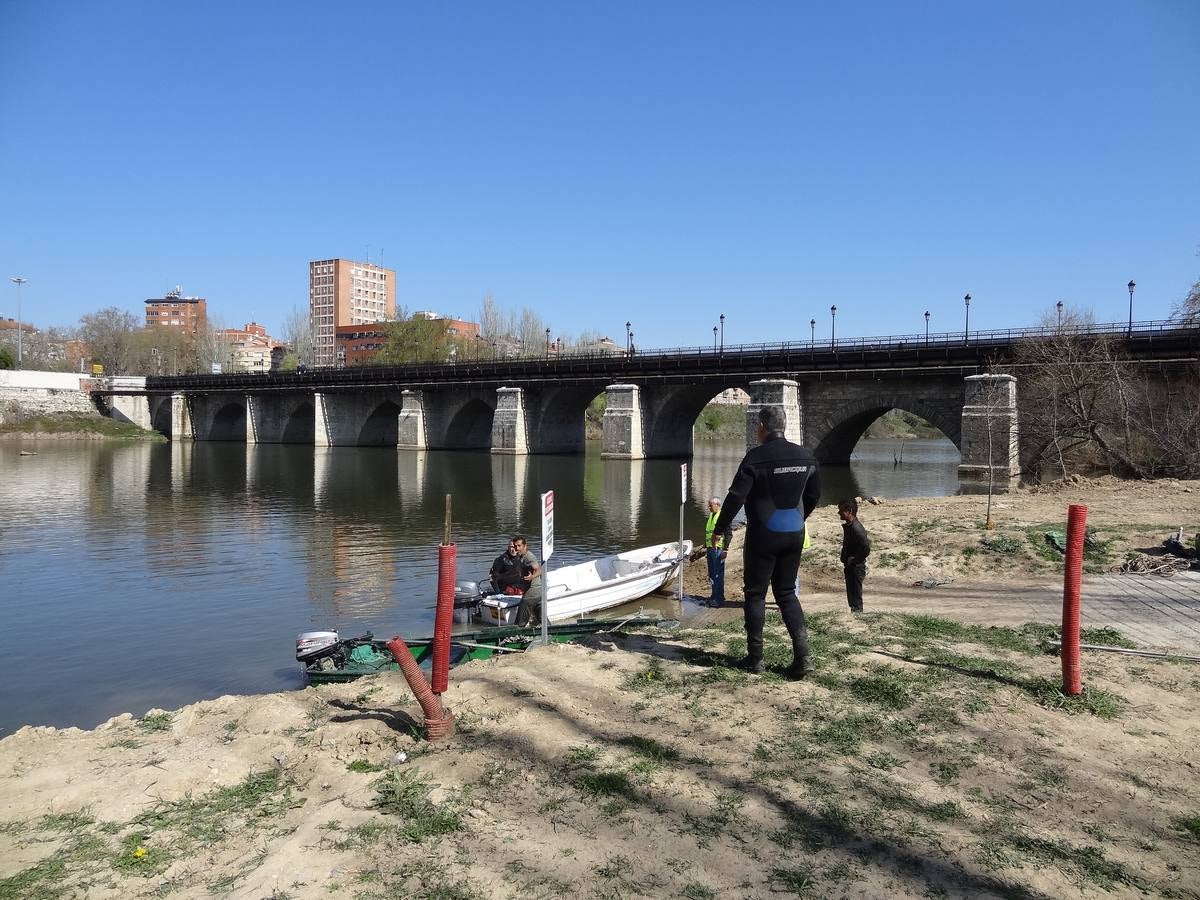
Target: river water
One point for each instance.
(143, 575)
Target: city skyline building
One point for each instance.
(343, 292)
(173, 310)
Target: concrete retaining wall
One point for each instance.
(26, 393)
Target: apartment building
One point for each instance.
(344, 292)
(247, 349)
(186, 314)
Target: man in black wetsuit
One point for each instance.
(779, 485)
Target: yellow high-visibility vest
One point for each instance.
(709, 529)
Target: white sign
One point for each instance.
(683, 483)
(547, 525)
(216, 368)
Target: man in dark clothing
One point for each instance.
(856, 546)
(779, 485)
(506, 571)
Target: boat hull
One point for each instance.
(590, 587)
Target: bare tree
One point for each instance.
(1187, 310)
(297, 332)
(109, 335)
(495, 322)
(1084, 405)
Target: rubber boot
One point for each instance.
(753, 660)
(793, 618)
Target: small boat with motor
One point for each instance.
(327, 658)
(584, 588)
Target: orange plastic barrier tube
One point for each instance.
(438, 721)
(443, 620)
(1072, 583)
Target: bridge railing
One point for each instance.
(995, 336)
(583, 362)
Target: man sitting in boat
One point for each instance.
(506, 571)
(530, 612)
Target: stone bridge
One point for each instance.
(828, 396)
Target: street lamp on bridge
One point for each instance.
(926, 326)
(1059, 306)
(812, 333)
(722, 332)
(833, 326)
(628, 336)
(714, 337)
(547, 343)
(1131, 286)
(967, 323)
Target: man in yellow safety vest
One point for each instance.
(716, 548)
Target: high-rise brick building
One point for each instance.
(186, 314)
(345, 292)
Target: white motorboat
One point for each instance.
(587, 587)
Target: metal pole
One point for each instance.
(1131, 286)
(714, 337)
(683, 472)
(967, 323)
(722, 332)
(18, 281)
(927, 327)
(833, 326)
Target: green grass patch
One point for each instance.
(76, 423)
(362, 765)
(1095, 701)
(405, 795)
(256, 802)
(887, 687)
(155, 722)
(48, 879)
(650, 749)
(1189, 825)
(139, 856)
(1001, 543)
(68, 822)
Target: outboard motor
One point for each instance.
(466, 600)
(314, 645)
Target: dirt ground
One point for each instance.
(924, 757)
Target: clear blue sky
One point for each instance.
(658, 162)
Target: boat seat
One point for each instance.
(628, 567)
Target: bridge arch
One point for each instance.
(381, 427)
(300, 426)
(229, 423)
(561, 414)
(671, 414)
(833, 436)
(469, 427)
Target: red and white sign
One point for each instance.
(547, 525)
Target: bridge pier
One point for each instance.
(989, 434)
(411, 426)
(509, 429)
(623, 434)
(134, 409)
(782, 394)
(181, 418)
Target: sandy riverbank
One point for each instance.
(924, 758)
